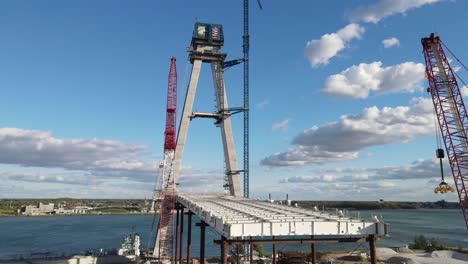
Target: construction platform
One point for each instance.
(234, 217)
(245, 222)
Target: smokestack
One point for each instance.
(269, 196)
(287, 197)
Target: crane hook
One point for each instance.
(443, 186)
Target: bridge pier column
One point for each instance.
(189, 237)
(224, 247)
(177, 235)
(251, 251)
(238, 251)
(181, 237)
(372, 240)
(313, 253)
(274, 252)
(202, 241)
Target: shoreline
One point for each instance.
(150, 213)
(384, 255)
(49, 215)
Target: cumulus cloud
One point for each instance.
(62, 178)
(87, 164)
(304, 155)
(282, 126)
(375, 12)
(413, 181)
(390, 42)
(418, 169)
(358, 81)
(40, 149)
(342, 140)
(320, 51)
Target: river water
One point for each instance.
(64, 235)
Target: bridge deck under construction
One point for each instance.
(241, 221)
(241, 217)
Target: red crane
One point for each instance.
(451, 114)
(163, 245)
(170, 133)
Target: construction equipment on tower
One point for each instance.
(207, 40)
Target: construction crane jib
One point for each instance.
(163, 245)
(451, 114)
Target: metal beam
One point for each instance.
(206, 115)
(294, 241)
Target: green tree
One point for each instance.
(420, 242)
(259, 249)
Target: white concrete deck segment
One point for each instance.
(240, 217)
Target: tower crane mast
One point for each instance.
(163, 245)
(451, 114)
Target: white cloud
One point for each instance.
(464, 90)
(342, 140)
(375, 12)
(282, 126)
(263, 104)
(413, 181)
(304, 155)
(358, 81)
(78, 164)
(390, 42)
(64, 178)
(418, 169)
(40, 149)
(320, 51)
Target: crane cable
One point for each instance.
(461, 63)
(185, 73)
(438, 136)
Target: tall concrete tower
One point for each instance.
(207, 40)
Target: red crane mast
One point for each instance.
(163, 245)
(451, 114)
(170, 133)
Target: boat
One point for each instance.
(130, 245)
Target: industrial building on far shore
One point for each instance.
(48, 209)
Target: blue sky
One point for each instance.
(338, 105)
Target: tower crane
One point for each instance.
(451, 115)
(163, 245)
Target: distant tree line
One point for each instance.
(9, 206)
(374, 205)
